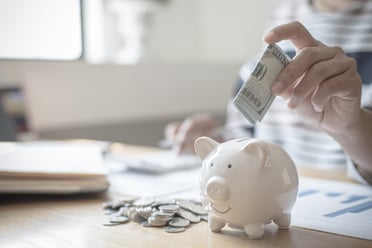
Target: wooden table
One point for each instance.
(76, 221)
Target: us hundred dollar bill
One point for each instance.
(254, 97)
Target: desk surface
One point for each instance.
(76, 221)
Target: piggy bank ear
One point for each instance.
(261, 149)
(204, 146)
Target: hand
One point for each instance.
(183, 134)
(321, 83)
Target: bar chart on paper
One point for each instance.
(335, 207)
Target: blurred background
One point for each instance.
(119, 70)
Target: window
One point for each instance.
(40, 29)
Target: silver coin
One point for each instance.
(160, 218)
(189, 216)
(106, 205)
(146, 224)
(111, 224)
(117, 204)
(161, 213)
(204, 217)
(192, 206)
(151, 212)
(145, 212)
(235, 227)
(156, 222)
(108, 211)
(123, 211)
(134, 215)
(119, 219)
(197, 209)
(179, 222)
(183, 204)
(143, 202)
(171, 208)
(158, 203)
(172, 229)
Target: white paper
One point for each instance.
(334, 207)
(182, 184)
(159, 162)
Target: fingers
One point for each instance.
(317, 75)
(321, 82)
(341, 85)
(293, 31)
(304, 60)
(171, 130)
(314, 68)
(185, 137)
(191, 129)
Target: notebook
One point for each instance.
(51, 167)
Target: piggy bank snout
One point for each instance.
(217, 189)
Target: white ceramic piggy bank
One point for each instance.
(246, 183)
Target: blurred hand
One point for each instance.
(321, 83)
(184, 133)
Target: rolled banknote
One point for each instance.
(254, 97)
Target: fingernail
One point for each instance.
(317, 108)
(270, 36)
(277, 87)
(292, 103)
(177, 149)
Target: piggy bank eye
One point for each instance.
(212, 164)
(229, 166)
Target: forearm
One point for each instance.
(356, 141)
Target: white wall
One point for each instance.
(75, 94)
(208, 30)
(232, 30)
(193, 69)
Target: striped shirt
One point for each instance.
(350, 29)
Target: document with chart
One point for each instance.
(334, 207)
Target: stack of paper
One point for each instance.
(51, 167)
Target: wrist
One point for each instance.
(350, 128)
(356, 140)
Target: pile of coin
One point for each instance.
(173, 214)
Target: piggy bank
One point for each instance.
(246, 183)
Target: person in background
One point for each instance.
(323, 115)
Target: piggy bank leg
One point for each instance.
(254, 231)
(283, 221)
(215, 224)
